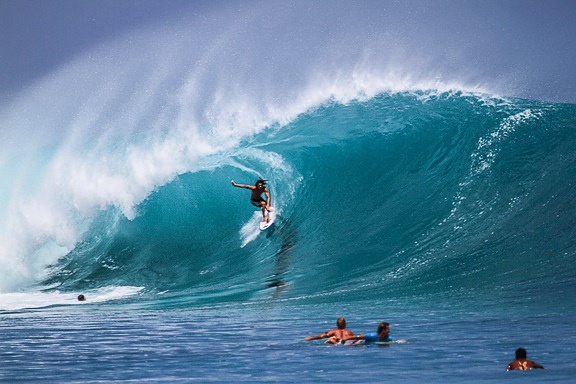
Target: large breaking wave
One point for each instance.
(385, 181)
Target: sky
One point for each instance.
(530, 40)
(38, 35)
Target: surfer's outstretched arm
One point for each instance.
(242, 185)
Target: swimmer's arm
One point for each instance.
(354, 337)
(320, 336)
(512, 366)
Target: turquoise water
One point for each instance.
(449, 215)
(264, 343)
(447, 196)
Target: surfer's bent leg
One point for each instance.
(262, 204)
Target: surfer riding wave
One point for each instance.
(256, 198)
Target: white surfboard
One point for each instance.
(266, 224)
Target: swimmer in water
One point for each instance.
(522, 363)
(335, 335)
(382, 334)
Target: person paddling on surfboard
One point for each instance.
(256, 198)
(382, 334)
(335, 335)
(522, 363)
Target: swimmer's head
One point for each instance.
(341, 323)
(81, 298)
(521, 353)
(382, 326)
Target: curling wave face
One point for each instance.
(402, 194)
(390, 175)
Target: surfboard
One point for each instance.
(264, 225)
(353, 342)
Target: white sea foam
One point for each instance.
(33, 299)
(250, 230)
(487, 147)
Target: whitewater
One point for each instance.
(405, 192)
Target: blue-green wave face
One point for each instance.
(403, 159)
(398, 195)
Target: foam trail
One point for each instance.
(30, 300)
(250, 230)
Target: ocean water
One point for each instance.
(445, 209)
(450, 216)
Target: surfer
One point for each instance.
(382, 334)
(522, 363)
(256, 198)
(335, 335)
